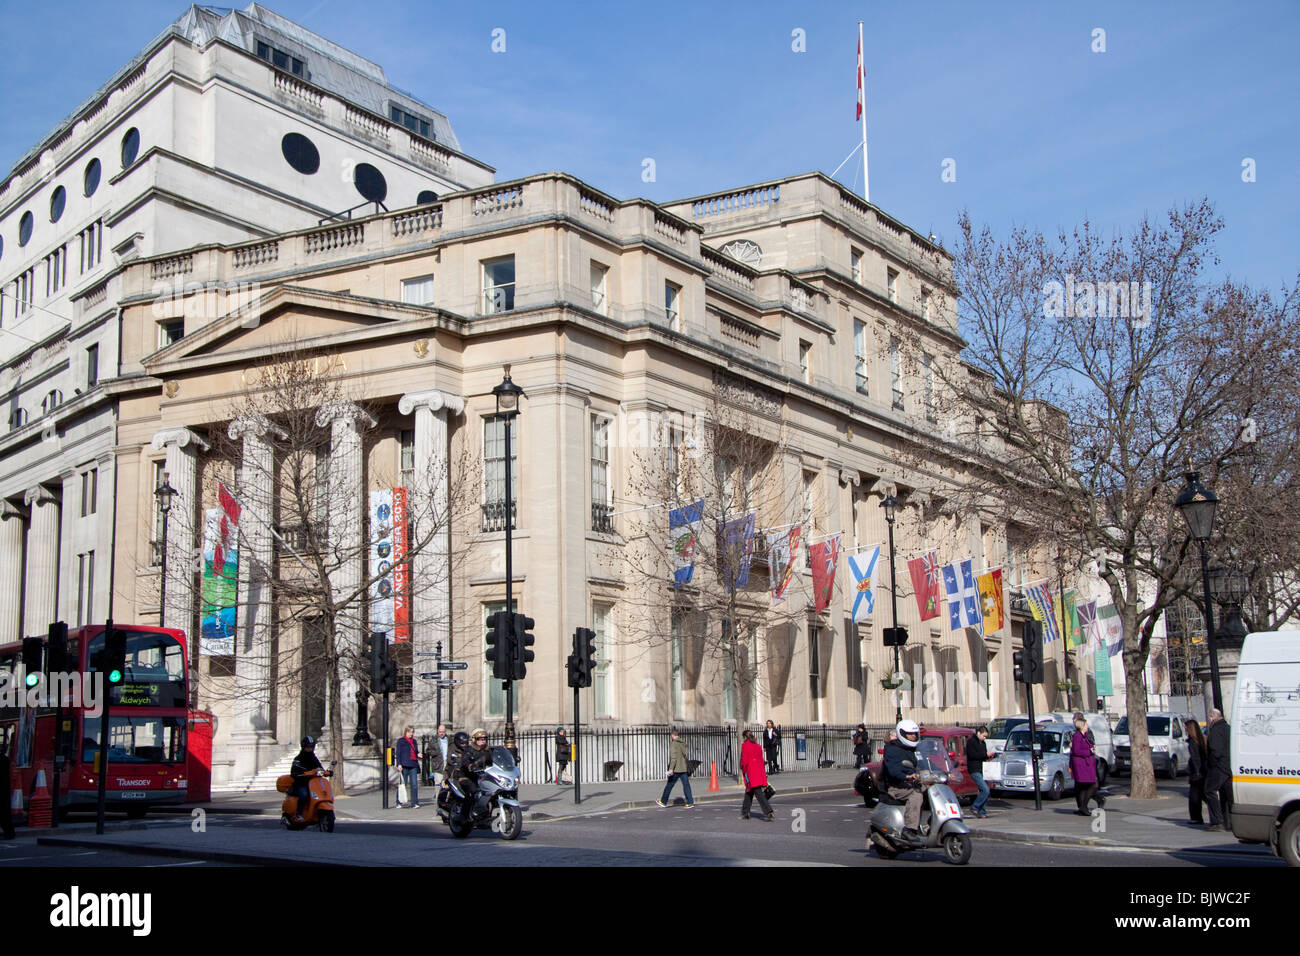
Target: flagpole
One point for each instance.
(862, 79)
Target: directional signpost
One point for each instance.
(453, 665)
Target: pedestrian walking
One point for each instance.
(563, 751)
(977, 751)
(1196, 760)
(438, 758)
(861, 747)
(751, 768)
(408, 760)
(1218, 770)
(1083, 767)
(772, 747)
(678, 769)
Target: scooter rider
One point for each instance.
(469, 761)
(900, 776)
(303, 764)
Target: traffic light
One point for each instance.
(498, 644)
(387, 672)
(584, 655)
(575, 672)
(32, 648)
(56, 655)
(1035, 675)
(522, 640)
(115, 656)
(894, 636)
(1018, 659)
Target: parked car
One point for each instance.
(1016, 770)
(999, 730)
(948, 757)
(1266, 764)
(1103, 741)
(1167, 739)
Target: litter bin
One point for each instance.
(692, 766)
(612, 767)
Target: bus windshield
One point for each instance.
(155, 669)
(142, 739)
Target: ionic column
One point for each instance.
(251, 739)
(13, 520)
(346, 421)
(429, 502)
(183, 448)
(42, 591)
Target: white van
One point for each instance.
(1265, 744)
(1167, 738)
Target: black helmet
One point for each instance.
(461, 740)
(308, 742)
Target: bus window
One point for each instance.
(136, 739)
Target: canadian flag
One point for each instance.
(227, 527)
(861, 100)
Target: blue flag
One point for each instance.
(863, 568)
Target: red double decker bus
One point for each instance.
(147, 721)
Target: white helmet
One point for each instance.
(907, 733)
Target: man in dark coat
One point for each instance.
(303, 764)
(1218, 770)
(6, 818)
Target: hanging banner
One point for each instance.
(781, 549)
(863, 568)
(382, 558)
(990, 586)
(683, 532)
(1101, 666)
(220, 579)
(1088, 623)
(738, 536)
(825, 558)
(925, 582)
(1040, 605)
(963, 596)
(401, 568)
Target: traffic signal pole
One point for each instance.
(102, 776)
(577, 751)
(510, 522)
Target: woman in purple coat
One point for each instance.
(1083, 767)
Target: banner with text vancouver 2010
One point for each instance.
(390, 598)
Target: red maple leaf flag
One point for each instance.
(227, 528)
(861, 99)
(925, 582)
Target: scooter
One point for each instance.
(495, 803)
(940, 822)
(319, 812)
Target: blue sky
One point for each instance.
(1043, 131)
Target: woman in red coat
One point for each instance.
(751, 767)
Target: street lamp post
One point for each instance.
(507, 396)
(164, 494)
(890, 504)
(1197, 504)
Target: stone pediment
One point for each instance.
(290, 314)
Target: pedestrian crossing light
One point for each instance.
(522, 640)
(32, 649)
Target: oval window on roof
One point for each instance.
(57, 201)
(130, 147)
(91, 180)
(370, 182)
(426, 196)
(300, 153)
(25, 226)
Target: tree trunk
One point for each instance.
(336, 728)
(1142, 778)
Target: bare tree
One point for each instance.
(1095, 371)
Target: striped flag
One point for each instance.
(863, 568)
(861, 73)
(1040, 604)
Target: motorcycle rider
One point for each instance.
(900, 776)
(303, 764)
(467, 763)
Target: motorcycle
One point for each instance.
(495, 803)
(319, 812)
(940, 822)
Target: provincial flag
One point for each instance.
(781, 548)
(963, 596)
(1072, 627)
(1088, 622)
(925, 582)
(683, 533)
(861, 73)
(1040, 605)
(825, 558)
(1114, 628)
(227, 527)
(863, 568)
(990, 586)
(738, 535)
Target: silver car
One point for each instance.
(1016, 769)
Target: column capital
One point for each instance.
(435, 399)
(347, 411)
(10, 510)
(253, 426)
(40, 495)
(180, 437)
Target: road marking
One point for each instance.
(154, 866)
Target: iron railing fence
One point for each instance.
(641, 753)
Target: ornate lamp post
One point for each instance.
(1197, 504)
(164, 493)
(890, 504)
(507, 396)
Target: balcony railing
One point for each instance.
(602, 518)
(494, 515)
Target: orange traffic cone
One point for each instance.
(713, 777)
(40, 811)
(16, 812)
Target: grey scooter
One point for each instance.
(940, 822)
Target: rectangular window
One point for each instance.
(416, 124)
(855, 265)
(805, 361)
(602, 697)
(23, 290)
(494, 474)
(598, 276)
(927, 368)
(171, 332)
(155, 557)
(56, 270)
(495, 705)
(89, 491)
(896, 372)
(891, 284)
(407, 441)
(860, 355)
(730, 692)
(85, 588)
(418, 291)
(810, 523)
(672, 300)
(601, 509)
(92, 245)
(498, 285)
(925, 304)
(92, 366)
(678, 663)
(816, 691)
(280, 60)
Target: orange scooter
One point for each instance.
(319, 812)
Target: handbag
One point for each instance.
(769, 791)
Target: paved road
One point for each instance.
(23, 855)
